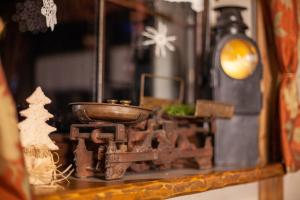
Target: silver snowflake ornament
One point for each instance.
(160, 39)
(49, 10)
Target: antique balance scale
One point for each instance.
(113, 138)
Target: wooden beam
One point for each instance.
(268, 87)
(163, 188)
(271, 189)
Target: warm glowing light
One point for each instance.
(239, 58)
(2, 25)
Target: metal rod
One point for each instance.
(153, 76)
(101, 46)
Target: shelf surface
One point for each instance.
(164, 187)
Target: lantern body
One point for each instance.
(235, 78)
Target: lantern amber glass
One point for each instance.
(239, 58)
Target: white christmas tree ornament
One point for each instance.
(197, 5)
(49, 10)
(160, 39)
(34, 130)
(37, 145)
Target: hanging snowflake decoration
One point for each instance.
(49, 10)
(160, 39)
(28, 15)
(197, 5)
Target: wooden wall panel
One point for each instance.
(268, 86)
(271, 189)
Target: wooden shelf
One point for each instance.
(164, 188)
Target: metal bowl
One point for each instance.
(90, 112)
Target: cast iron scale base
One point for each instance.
(111, 149)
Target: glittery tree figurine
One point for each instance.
(34, 130)
(36, 143)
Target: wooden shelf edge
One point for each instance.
(162, 189)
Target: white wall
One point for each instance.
(292, 186)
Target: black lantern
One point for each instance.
(236, 74)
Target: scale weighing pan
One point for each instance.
(118, 113)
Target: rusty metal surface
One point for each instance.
(114, 138)
(150, 144)
(83, 160)
(205, 108)
(107, 144)
(89, 112)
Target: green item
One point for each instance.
(180, 110)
